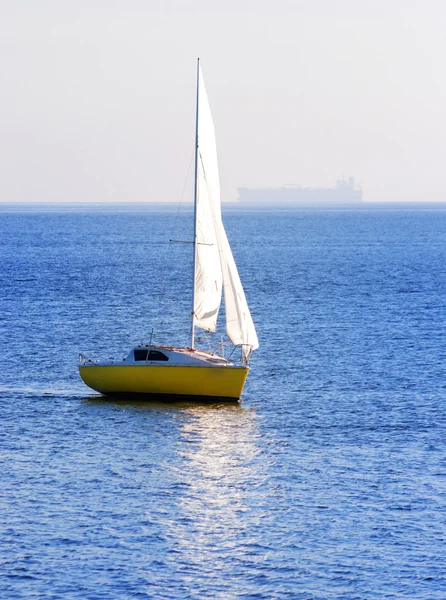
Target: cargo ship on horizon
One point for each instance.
(345, 192)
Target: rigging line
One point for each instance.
(208, 341)
(161, 322)
(163, 285)
(182, 194)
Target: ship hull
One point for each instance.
(342, 194)
(166, 381)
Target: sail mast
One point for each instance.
(194, 245)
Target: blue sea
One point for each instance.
(328, 479)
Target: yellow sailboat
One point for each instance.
(169, 372)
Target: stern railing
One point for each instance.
(245, 354)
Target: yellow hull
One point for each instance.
(212, 382)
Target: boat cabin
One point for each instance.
(163, 355)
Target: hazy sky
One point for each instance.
(97, 97)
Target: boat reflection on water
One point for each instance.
(162, 401)
(217, 487)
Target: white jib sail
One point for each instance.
(214, 263)
(208, 275)
(239, 324)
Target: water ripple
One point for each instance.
(327, 481)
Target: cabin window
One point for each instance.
(156, 355)
(141, 354)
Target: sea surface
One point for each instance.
(328, 479)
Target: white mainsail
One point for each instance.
(214, 263)
(208, 275)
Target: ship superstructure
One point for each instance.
(345, 192)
